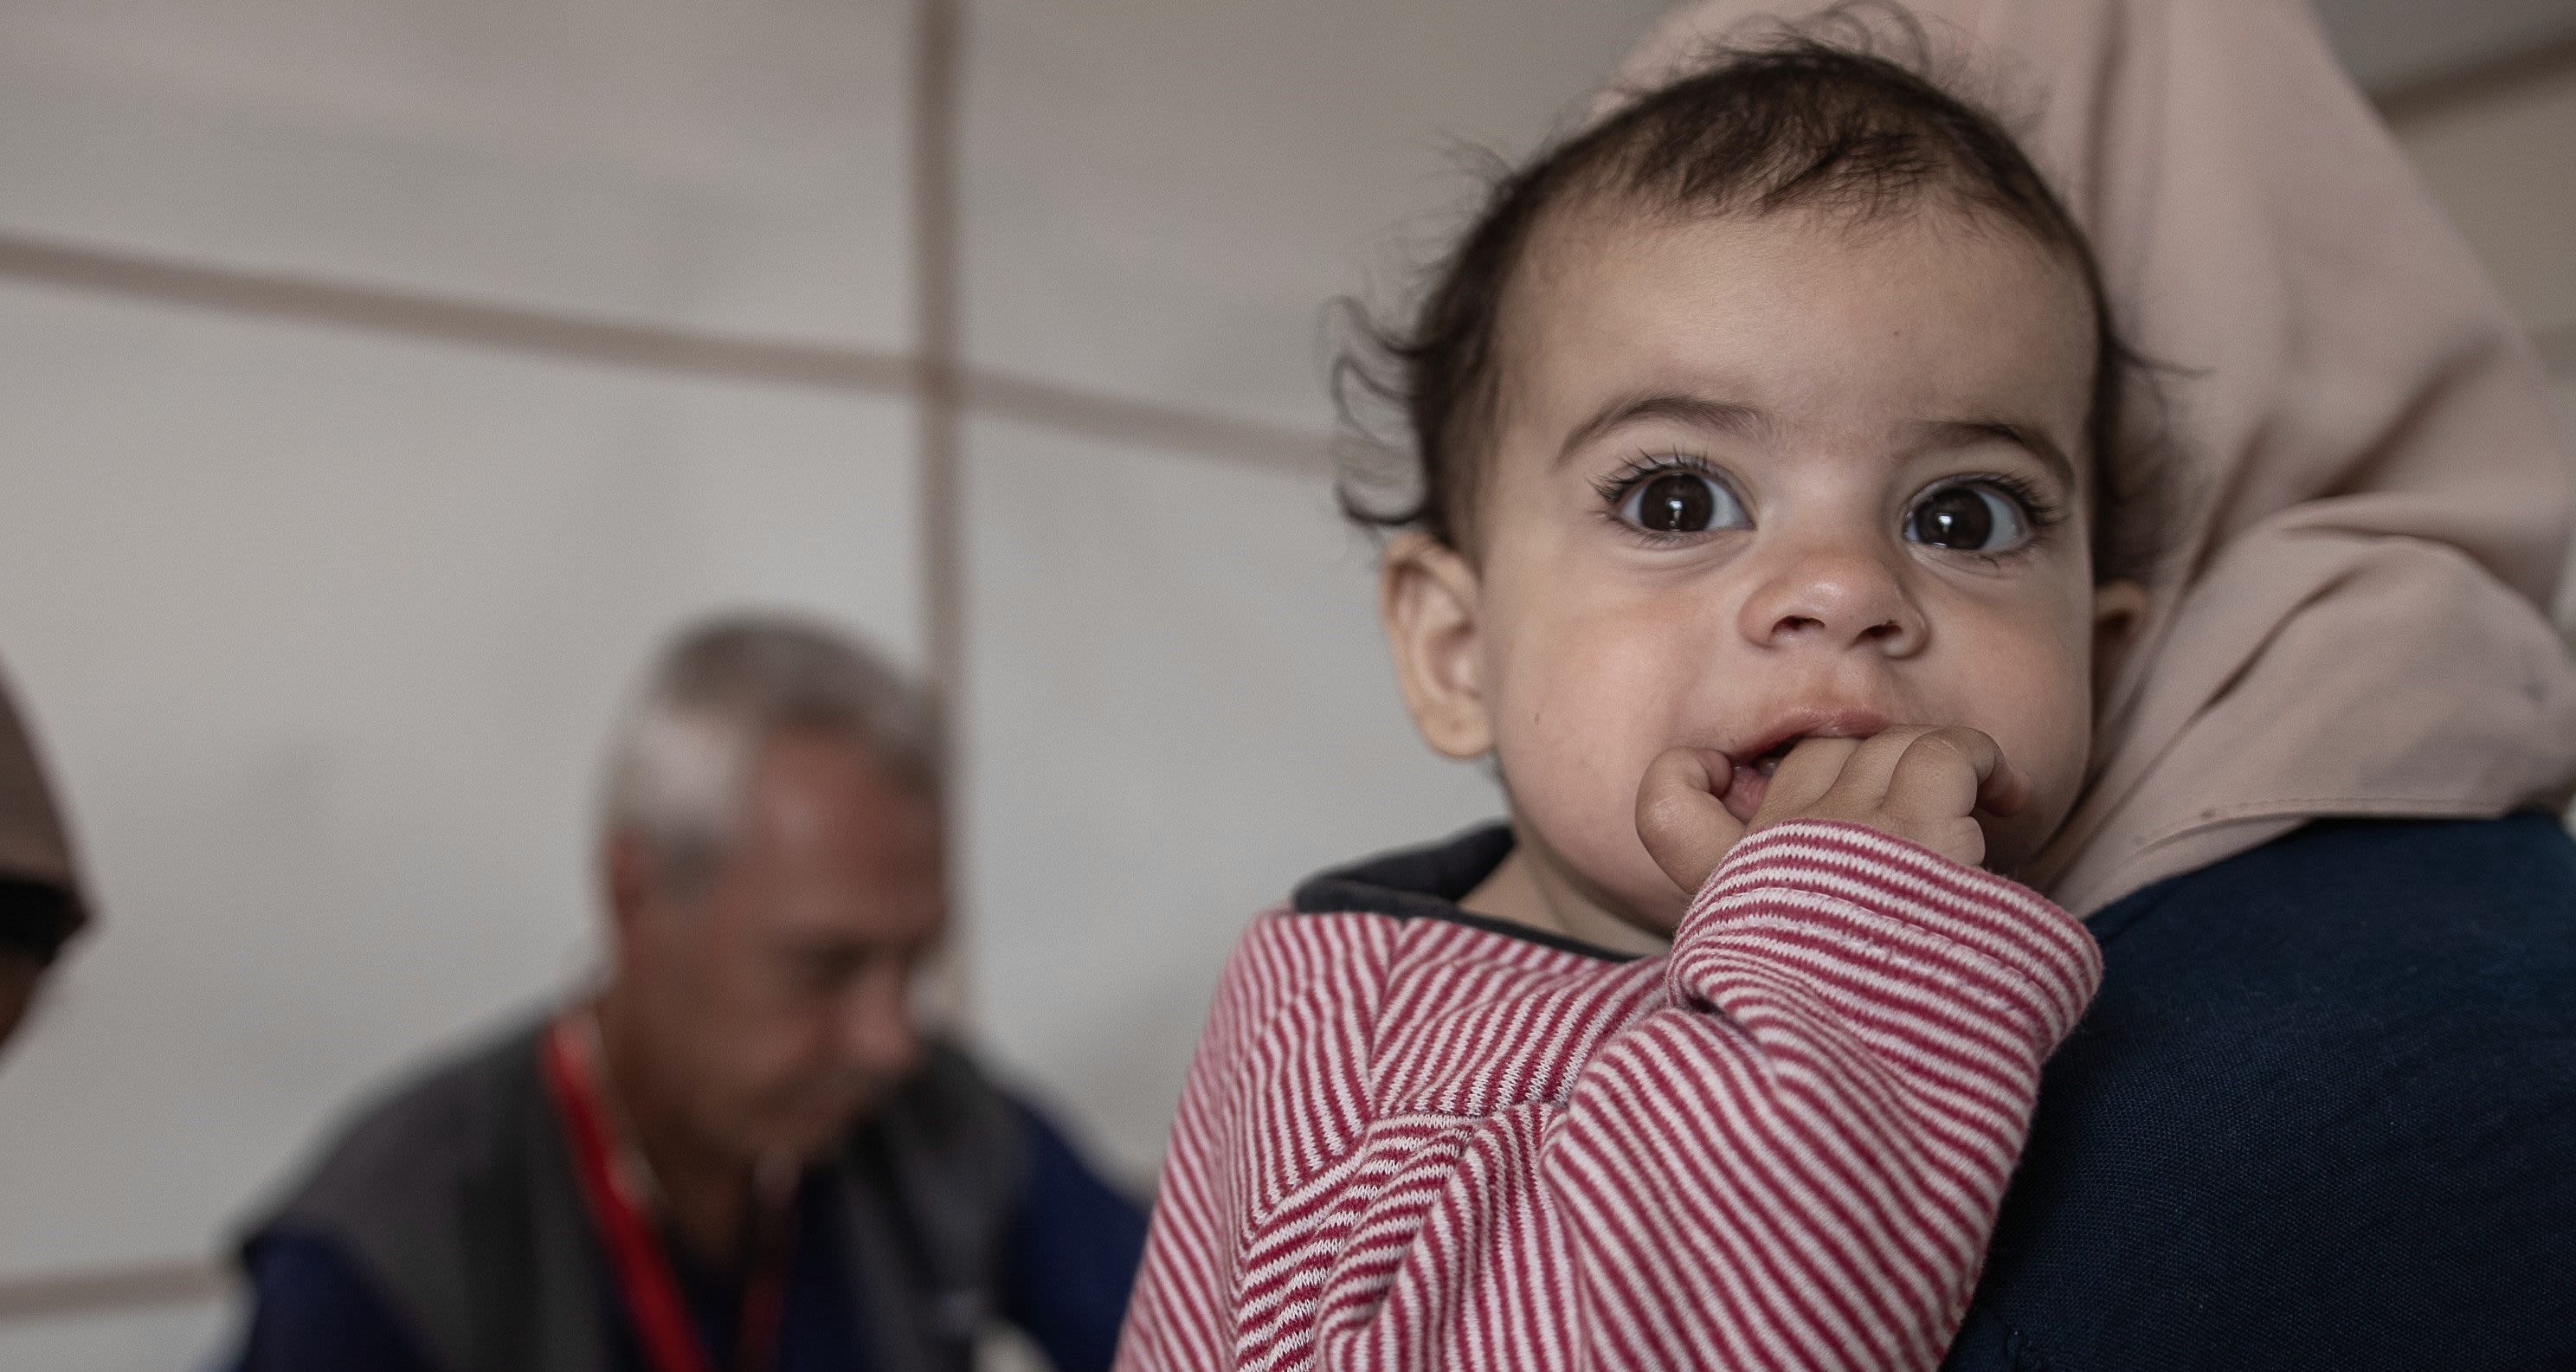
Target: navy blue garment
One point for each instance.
(311, 1308)
(1073, 1256)
(1074, 1250)
(2322, 1115)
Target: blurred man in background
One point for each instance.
(40, 899)
(741, 1151)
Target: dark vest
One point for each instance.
(455, 1195)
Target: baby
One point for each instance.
(1767, 537)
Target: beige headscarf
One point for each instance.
(2351, 617)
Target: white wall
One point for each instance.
(2504, 165)
(687, 163)
(2393, 42)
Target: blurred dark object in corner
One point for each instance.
(41, 906)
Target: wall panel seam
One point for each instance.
(140, 1285)
(713, 356)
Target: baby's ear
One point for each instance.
(2119, 612)
(1428, 599)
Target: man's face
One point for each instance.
(778, 1000)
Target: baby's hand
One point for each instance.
(1920, 784)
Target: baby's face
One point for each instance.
(1760, 479)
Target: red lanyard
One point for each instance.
(635, 1254)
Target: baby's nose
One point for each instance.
(1834, 598)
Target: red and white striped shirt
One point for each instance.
(1422, 1142)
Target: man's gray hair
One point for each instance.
(681, 758)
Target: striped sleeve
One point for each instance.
(1787, 1154)
(1797, 1162)
(1275, 1094)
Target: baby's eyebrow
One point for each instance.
(1725, 416)
(1945, 433)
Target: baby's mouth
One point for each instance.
(1751, 779)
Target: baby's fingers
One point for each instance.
(1685, 827)
(1950, 772)
(1812, 769)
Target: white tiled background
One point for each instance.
(321, 625)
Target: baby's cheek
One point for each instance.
(2047, 739)
(1581, 805)
(1574, 744)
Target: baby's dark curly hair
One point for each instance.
(1803, 123)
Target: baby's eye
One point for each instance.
(1673, 501)
(1970, 517)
